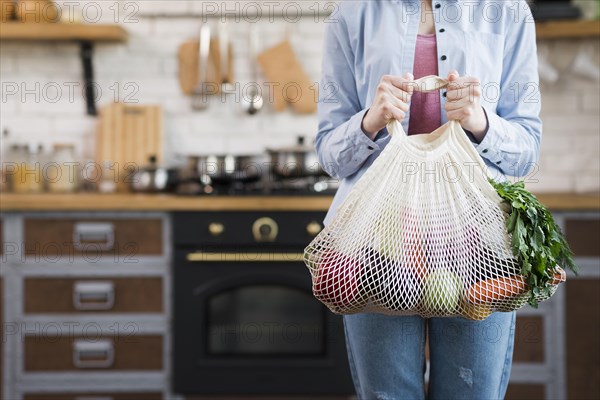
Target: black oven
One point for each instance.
(245, 320)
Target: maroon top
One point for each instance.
(425, 112)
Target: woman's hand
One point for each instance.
(391, 102)
(463, 104)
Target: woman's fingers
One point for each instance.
(397, 93)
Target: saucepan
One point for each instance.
(298, 161)
(225, 169)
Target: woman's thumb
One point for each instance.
(408, 76)
(453, 75)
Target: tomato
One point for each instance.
(337, 282)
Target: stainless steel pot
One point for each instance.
(153, 179)
(295, 162)
(225, 169)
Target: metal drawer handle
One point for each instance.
(98, 354)
(99, 234)
(244, 257)
(97, 295)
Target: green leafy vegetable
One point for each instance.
(537, 241)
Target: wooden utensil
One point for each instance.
(280, 65)
(189, 69)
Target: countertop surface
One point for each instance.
(11, 202)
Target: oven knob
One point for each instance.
(313, 228)
(265, 230)
(216, 229)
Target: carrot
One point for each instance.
(496, 289)
(559, 276)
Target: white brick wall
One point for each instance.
(145, 68)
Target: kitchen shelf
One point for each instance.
(85, 34)
(568, 29)
(62, 32)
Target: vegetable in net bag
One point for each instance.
(424, 232)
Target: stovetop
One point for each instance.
(311, 187)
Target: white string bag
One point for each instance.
(421, 232)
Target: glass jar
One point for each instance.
(28, 172)
(62, 171)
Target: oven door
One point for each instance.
(249, 324)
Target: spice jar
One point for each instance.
(28, 172)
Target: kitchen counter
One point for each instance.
(164, 202)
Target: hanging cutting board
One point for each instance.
(281, 65)
(189, 72)
(128, 135)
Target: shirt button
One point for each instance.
(485, 151)
(370, 147)
(499, 162)
(444, 94)
(438, 5)
(442, 30)
(444, 58)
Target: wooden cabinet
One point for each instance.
(582, 338)
(85, 295)
(60, 239)
(88, 299)
(521, 391)
(121, 353)
(529, 340)
(1, 334)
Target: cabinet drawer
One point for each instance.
(583, 236)
(525, 392)
(62, 353)
(94, 396)
(529, 340)
(59, 239)
(73, 295)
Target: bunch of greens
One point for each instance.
(537, 241)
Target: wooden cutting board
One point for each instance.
(128, 135)
(189, 73)
(281, 65)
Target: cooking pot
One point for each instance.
(295, 162)
(153, 179)
(225, 169)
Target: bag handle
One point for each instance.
(426, 84)
(430, 83)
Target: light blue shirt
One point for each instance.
(493, 40)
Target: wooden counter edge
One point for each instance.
(10, 202)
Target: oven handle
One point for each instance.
(200, 256)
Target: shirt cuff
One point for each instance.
(362, 143)
(489, 147)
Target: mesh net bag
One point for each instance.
(422, 232)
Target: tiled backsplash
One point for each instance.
(145, 70)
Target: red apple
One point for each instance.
(336, 282)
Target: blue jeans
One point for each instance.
(468, 359)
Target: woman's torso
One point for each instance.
(383, 34)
